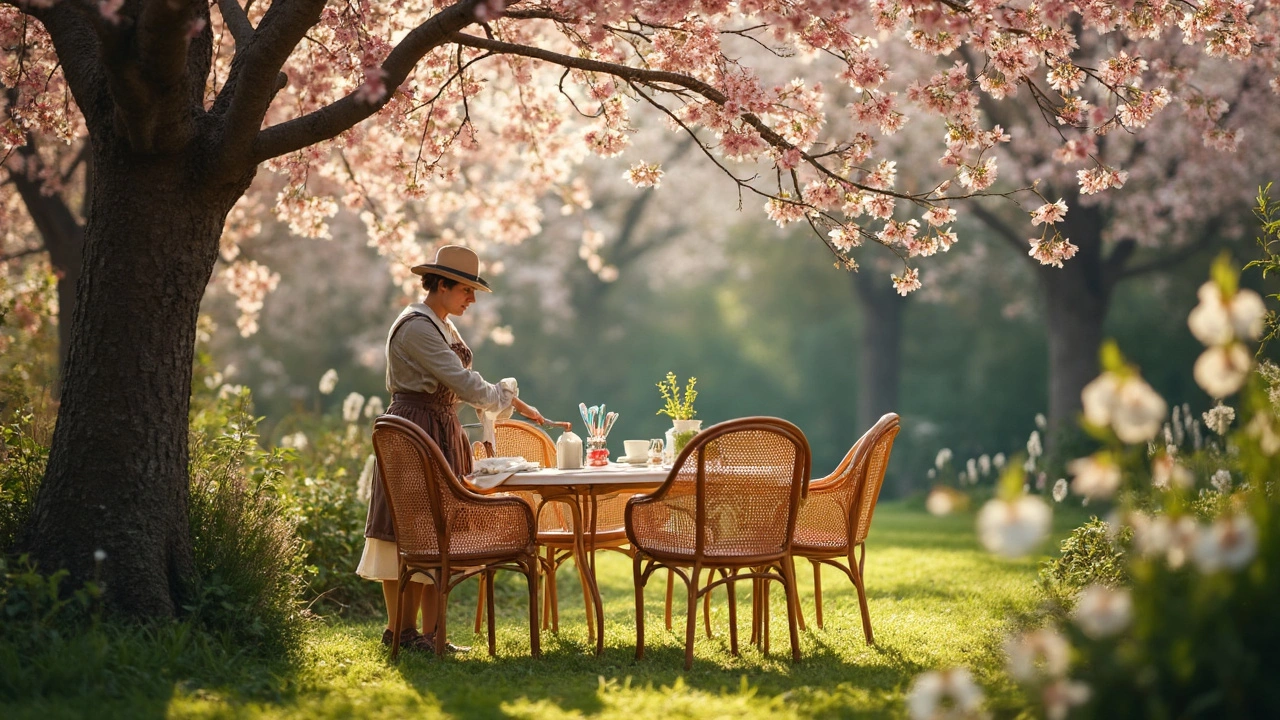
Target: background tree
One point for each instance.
(181, 108)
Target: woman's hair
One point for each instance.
(433, 282)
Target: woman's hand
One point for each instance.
(528, 410)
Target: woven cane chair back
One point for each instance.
(823, 520)
(880, 445)
(520, 439)
(733, 493)
(433, 515)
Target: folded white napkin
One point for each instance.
(489, 418)
(495, 466)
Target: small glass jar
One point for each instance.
(597, 453)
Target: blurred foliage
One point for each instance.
(1090, 555)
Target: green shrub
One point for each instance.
(22, 461)
(1090, 556)
(247, 553)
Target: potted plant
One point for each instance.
(679, 407)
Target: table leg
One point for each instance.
(580, 561)
(593, 507)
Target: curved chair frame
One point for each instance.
(445, 567)
(855, 484)
(772, 566)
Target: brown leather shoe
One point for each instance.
(449, 648)
(410, 639)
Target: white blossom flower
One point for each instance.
(1096, 476)
(351, 407)
(1218, 321)
(1262, 428)
(1221, 370)
(971, 468)
(297, 440)
(365, 485)
(1221, 480)
(328, 381)
(942, 501)
(373, 408)
(1036, 653)
(1060, 490)
(1102, 611)
(940, 694)
(1034, 448)
(1012, 529)
(1167, 472)
(1229, 543)
(1061, 695)
(1126, 403)
(99, 555)
(1219, 418)
(984, 464)
(998, 461)
(943, 457)
(1041, 421)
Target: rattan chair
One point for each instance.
(836, 517)
(555, 520)
(728, 507)
(448, 532)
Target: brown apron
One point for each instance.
(434, 413)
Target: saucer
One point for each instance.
(632, 461)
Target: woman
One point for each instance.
(429, 375)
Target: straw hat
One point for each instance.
(456, 263)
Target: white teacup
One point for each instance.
(636, 449)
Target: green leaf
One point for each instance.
(1111, 359)
(1225, 276)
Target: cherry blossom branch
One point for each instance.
(342, 114)
(654, 78)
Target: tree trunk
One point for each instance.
(1077, 297)
(880, 349)
(117, 479)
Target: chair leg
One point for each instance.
(731, 586)
(442, 606)
(531, 576)
(395, 613)
(586, 599)
(755, 611)
(817, 590)
(480, 594)
(691, 625)
(862, 598)
(706, 611)
(793, 605)
(639, 585)
(800, 613)
(488, 600)
(670, 581)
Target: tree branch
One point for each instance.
(77, 46)
(1175, 257)
(1000, 227)
(339, 116)
(20, 254)
(655, 78)
(237, 21)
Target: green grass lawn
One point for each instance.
(937, 600)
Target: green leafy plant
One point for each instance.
(677, 406)
(1094, 554)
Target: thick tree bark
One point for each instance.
(1077, 297)
(879, 349)
(117, 478)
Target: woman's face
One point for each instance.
(457, 299)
